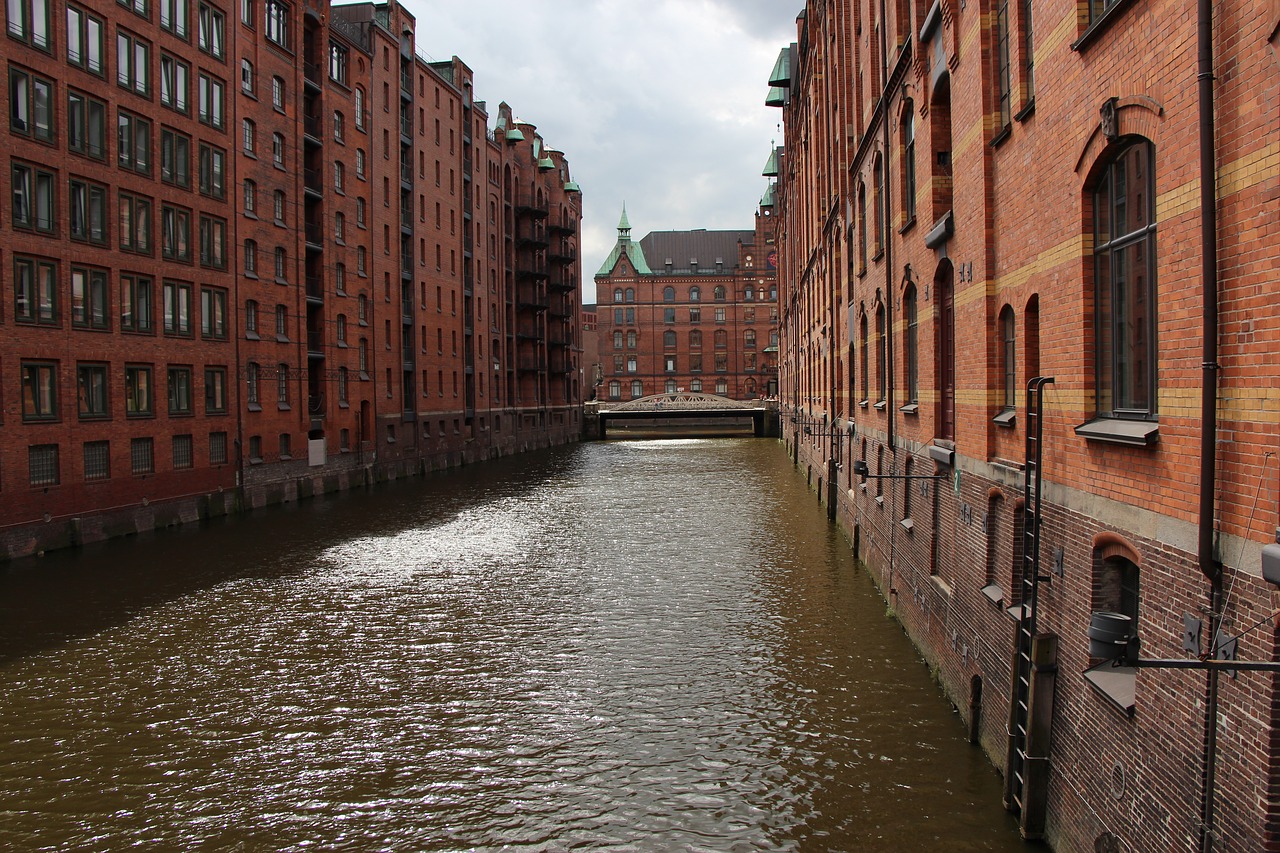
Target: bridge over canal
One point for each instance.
(684, 412)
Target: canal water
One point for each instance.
(641, 645)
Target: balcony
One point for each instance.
(315, 236)
(527, 206)
(312, 128)
(315, 289)
(563, 254)
(529, 234)
(315, 405)
(313, 73)
(531, 269)
(313, 180)
(532, 363)
(529, 298)
(315, 345)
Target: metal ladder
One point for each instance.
(1019, 758)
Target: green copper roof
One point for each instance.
(546, 164)
(771, 165)
(770, 196)
(781, 75)
(625, 246)
(777, 97)
(515, 135)
(572, 187)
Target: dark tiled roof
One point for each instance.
(681, 247)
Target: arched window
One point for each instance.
(695, 339)
(877, 196)
(907, 138)
(341, 329)
(670, 386)
(862, 226)
(911, 344)
(945, 350)
(749, 294)
(749, 339)
(719, 293)
(669, 339)
(695, 294)
(631, 294)
(881, 354)
(668, 294)
(617, 294)
(617, 339)
(1008, 361)
(359, 108)
(1124, 266)
(864, 355)
(631, 339)
(637, 388)
(722, 339)
(615, 390)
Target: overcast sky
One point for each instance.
(658, 103)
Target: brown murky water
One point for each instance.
(650, 645)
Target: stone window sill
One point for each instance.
(1116, 684)
(1119, 431)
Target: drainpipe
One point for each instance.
(1209, 566)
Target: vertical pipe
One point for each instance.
(1208, 401)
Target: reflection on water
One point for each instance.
(636, 645)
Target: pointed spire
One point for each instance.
(624, 226)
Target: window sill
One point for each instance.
(880, 501)
(907, 524)
(910, 409)
(283, 407)
(1120, 431)
(255, 407)
(994, 594)
(908, 225)
(1002, 137)
(251, 336)
(1007, 418)
(862, 404)
(1103, 23)
(879, 406)
(1028, 110)
(1116, 684)
(940, 585)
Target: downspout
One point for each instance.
(1209, 566)
(885, 196)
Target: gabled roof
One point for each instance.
(683, 248)
(625, 246)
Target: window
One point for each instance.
(1028, 55)
(340, 282)
(175, 158)
(864, 355)
(719, 294)
(722, 362)
(277, 149)
(39, 391)
(42, 464)
(668, 315)
(177, 308)
(877, 203)
(86, 40)
(248, 83)
(250, 197)
(87, 208)
(695, 339)
(1008, 362)
(182, 452)
(339, 228)
(142, 456)
(282, 323)
(173, 17)
(281, 265)
(247, 16)
(35, 291)
(1124, 283)
(360, 175)
(255, 448)
(670, 362)
(338, 64)
(175, 233)
(340, 330)
(97, 460)
(89, 298)
(617, 294)
(668, 294)
(135, 223)
(248, 136)
(141, 8)
(695, 315)
(1117, 590)
(137, 391)
(882, 363)
(133, 58)
(615, 390)
(339, 127)
(135, 304)
(31, 22)
(217, 448)
(360, 111)
(251, 385)
(277, 93)
(637, 388)
(907, 137)
(339, 175)
(212, 103)
(91, 384)
(86, 126)
(911, 344)
(251, 319)
(213, 313)
(33, 194)
(180, 391)
(212, 31)
(250, 255)
(669, 339)
(631, 339)
(213, 242)
(282, 385)
(630, 294)
(1000, 35)
(277, 206)
(695, 294)
(342, 386)
(215, 390)
(1097, 8)
(720, 316)
(277, 23)
(175, 83)
(945, 351)
(631, 364)
(749, 339)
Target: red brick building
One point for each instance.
(689, 311)
(259, 252)
(1017, 197)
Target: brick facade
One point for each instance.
(281, 258)
(1001, 212)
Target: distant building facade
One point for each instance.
(260, 251)
(689, 311)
